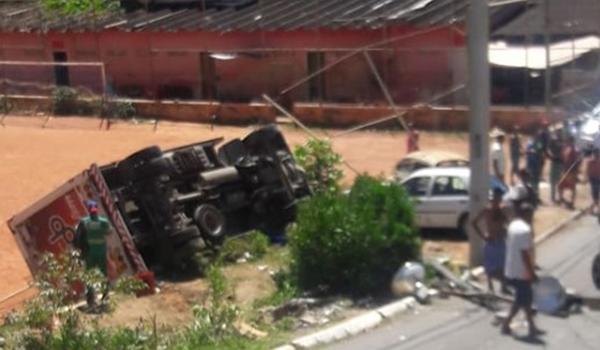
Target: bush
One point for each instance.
(118, 109)
(321, 164)
(255, 243)
(65, 101)
(353, 244)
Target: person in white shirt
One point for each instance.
(497, 155)
(519, 266)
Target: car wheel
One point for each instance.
(463, 223)
(211, 222)
(596, 271)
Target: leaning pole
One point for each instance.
(479, 103)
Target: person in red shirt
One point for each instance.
(593, 174)
(412, 140)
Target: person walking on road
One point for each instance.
(534, 154)
(497, 155)
(553, 152)
(91, 234)
(515, 150)
(593, 174)
(519, 268)
(570, 163)
(494, 237)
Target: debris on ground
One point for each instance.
(248, 331)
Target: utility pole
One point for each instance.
(548, 72)
(479, 120)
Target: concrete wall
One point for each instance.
(446, 118)
(144, 63)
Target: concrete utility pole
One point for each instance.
(479, 103)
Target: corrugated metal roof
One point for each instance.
(566, 18)
(269, 15)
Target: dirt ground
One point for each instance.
(36, 160)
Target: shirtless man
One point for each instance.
(494, 236)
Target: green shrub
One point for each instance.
(321, 164)
(353, 244)
(6, 105)
(116, 109)
(255, 243)
(65, 100)
(79, 7)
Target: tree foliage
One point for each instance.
(354, 243)
(322, 165)
(79, 7)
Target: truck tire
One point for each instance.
(211, 222)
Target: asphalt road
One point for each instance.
(457, 324)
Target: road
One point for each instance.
(457, 324)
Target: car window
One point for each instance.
(449, 186)
(417, 186)
(452, 163)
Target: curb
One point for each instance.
(554, 230)
(478, 271)
(352, 326)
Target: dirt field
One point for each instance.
(35, 160)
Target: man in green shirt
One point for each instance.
(91, 240)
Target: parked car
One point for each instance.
(427, 159)
(441, 197)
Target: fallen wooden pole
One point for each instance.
(354, 53)
(385, 90)
(394, 116)
(303, 127)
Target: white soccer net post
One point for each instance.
(30, 78)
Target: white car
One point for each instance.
(441, 197)
(427, 159)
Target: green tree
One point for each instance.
(78, 7)
(322, 165)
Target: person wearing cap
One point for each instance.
(497, 155)
(91, 234)
(494, 237)
(519, 267)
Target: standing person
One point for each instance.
(494, 237)
(553, 152)
(519, 268)
(543, 136)
(412, 140)
(515, 150)
(570, 162)
(593, 174)
(497, 155)
(534, 156)
(91, 240)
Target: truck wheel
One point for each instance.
(211, 222)
(596, 271)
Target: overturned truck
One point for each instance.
(165, 206)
